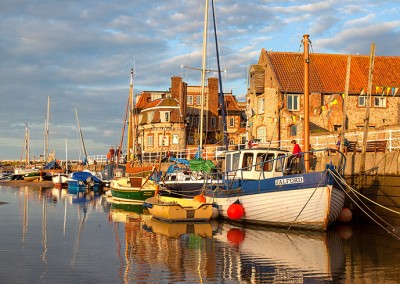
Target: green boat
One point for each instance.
(133, 189)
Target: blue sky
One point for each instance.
(80, 53)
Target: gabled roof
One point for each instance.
(327, 72)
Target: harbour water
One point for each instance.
(51, 236)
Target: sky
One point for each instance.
(79, 53)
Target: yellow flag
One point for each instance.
(388, 89)
(334, 102)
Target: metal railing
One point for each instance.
(215, 152)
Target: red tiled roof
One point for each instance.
(328, 72)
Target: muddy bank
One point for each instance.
(19, 183)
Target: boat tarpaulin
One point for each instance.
(201, 165)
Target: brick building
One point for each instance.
(172, 118)
(275, 95)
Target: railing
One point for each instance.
(215, 152)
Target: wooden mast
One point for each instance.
(306, 104)
(366, 119)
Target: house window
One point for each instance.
(262, 134)
(163, 140)
(175, 139)
(231, 122)
(260, 105)
(150, 140)
(362, 101)
(190, 100)
(292, 130)
(198, 100)
(213, 121)
(156, 96)
(150, 116)
(165, 116)
(293, 102)
(380, 102)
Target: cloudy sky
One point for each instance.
(79, 53)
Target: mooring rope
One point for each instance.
(392, 229)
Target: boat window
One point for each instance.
(172, 178)
(247, 162)
(235, 161)
(279, 163)
(267, 166)
(228, 161)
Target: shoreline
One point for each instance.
(45, 183)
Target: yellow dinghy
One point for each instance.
(174, 209)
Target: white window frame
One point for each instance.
(231, 122)
(380, 102)
(165, 116)
(190, 99)
(262, 134)
(293, 102)
(175, 139)
(260, 106)
(198, 100)
(163, 141)
(362, 101)
(150, 140)
(150, 116)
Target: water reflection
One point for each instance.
(56, 236)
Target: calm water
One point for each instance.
(50, 236)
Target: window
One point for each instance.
(231, 122)
(362, 101)
(260, 106)
(175, 139)
(262, 134)
(292, 130)
(293, 102)
(150, 140)
(150, 116)
(198, 100)
(213, 121)
(190, 100)
(163, 141)
(165, 116)
(247, 162)
(380, 102)
(265, 162)
(156, 96)
(280, 162)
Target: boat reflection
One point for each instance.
(175, 230)
(279, 255)
(122, 212)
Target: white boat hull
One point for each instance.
(309, 207)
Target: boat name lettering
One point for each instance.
(289, 180)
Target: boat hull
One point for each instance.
(178, 209)
(122, 190)
(306, 201)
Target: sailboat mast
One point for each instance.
(221, 98)
(306, 43)
(130, 120)
(81, 135)
(46, 131)
(203, 75)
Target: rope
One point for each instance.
(358, 195)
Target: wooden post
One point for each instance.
(346, 94)
(306, 105)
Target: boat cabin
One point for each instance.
(256, 163)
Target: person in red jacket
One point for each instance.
(294, 162)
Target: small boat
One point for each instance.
(33, 176)
(84, 180)
(174, 209)
(60, 179)
(187, 178)
(133, 189)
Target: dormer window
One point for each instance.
(165, 116)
